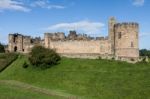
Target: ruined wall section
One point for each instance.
(22, 44)
(66, 46)
(26, 44)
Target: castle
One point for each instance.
(121, 43)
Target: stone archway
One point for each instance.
(15, 49)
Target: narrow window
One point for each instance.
(119, 35)
(14, 39)
(132, 45)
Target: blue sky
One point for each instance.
(34, 17)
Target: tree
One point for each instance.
(145, 52)
(43, 57)
(2, 49)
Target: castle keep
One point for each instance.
(121, 43)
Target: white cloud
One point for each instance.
(138, 2)
(12, 5)
(39, 3)
(46, 4)
(55, 6)
(87, 27)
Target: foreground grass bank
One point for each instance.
(11, 92)
(6, 59)
(85, 78)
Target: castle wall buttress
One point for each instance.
(10, 43)
(111, 30)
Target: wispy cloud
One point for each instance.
(138, 2)
(142, 35)
(87, 27)
(13, 5)
(46, 4)
(26, 6)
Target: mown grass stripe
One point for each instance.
(26, 86)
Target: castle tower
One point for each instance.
(47, 40)
(15, 43)
(112, 22)
(11, 43)
(126, 41)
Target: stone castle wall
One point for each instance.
(121, 43)
(79, 47)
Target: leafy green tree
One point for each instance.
(2, 49)
(43, 57)
(145, 52)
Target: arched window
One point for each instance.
(15, 49)
(119, 35)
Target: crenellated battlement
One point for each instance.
(71, 36)
(126, 25)
(55, 36)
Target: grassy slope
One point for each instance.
(6, 59)
(11, 92)
(93, 79)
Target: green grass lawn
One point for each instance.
(11, 92)
(85, 78)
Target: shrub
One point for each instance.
(145, 52)
(25, 65)
(6, 59)
(43, 57)
(2, 49)
(99, 57)
(132, 59)
(113, 58)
